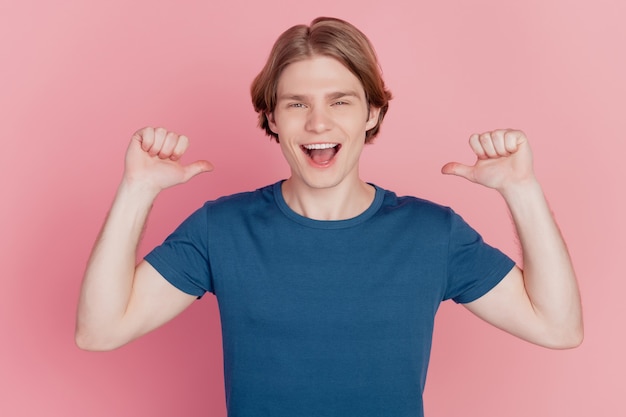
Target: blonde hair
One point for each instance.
(325, 36)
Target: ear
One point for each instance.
(271, 122)
(372, 119)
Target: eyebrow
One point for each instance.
(331, 96)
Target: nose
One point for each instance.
(318, 120)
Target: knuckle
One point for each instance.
(143, 130)
(160, 133)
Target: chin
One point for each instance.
(318, 183)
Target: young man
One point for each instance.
(327, 285)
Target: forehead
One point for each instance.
(317, 74)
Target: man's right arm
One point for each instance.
(119, 300)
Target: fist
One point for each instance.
(503, 159)
(161, 143)
(152, 159)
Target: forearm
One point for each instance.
(108, 279)
(549, 276)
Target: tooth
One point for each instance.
(320, 145)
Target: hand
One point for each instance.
(504, 159)
(152, 160)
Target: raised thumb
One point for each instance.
(458, 169)
(196, 168)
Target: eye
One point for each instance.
(296, 105)
(340, 103)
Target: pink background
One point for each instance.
(77, 78)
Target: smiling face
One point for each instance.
(321, 117)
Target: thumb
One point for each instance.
(196, 168)
(458, 169)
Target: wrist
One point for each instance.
(524, 199)
(137, 190)
(521, 189)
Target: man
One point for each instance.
(327, 285)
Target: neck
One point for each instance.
(340, 202)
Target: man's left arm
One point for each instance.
(540, 304)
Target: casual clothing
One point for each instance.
(327, 318)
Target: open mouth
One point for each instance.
(321, 153)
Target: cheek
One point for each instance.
(287, 123)
(355, 124)
(288, 149)
(356, 118)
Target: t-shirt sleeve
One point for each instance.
(474, 267)
(183, 257)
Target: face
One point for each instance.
(321, 117)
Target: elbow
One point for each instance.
(567, 339)
(570, 343)
(84, 342)
(88, 341)
(575, 340)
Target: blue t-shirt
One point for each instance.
(327, 318)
